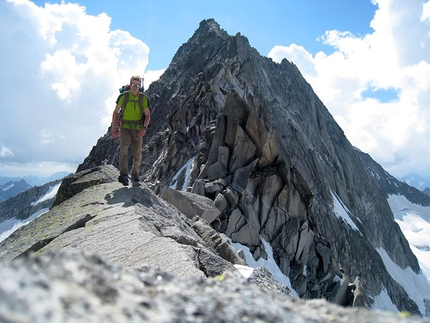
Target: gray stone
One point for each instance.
(216, 171)
(237, 112)
(243, 150)
(191, 204)
(213, 187)
(216, 242)
(240, 231)
(224, 156)
(339, 294)
(220, 202)
(231, 196)
(198, 187)
(242, 175)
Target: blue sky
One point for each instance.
(368, 61)
(167, 24)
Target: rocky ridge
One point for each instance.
(252, 136)
(129, 225)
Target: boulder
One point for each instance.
(191, 204)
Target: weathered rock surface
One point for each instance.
(68, 286)
(129, 225)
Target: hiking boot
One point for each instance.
(123, 179)
(134, 178)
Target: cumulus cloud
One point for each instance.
(393, 59)
(59, 66)
(426, 12)
(5, 151)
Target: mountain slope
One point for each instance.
(11, 189)
(28, 202)
(25, 207)
(390, 185)
(251, 135)
(411, 209)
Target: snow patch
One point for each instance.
(244, 270)
(414, 221)
(416, 286)
(8, 187)
(342, 212)
(383, 302)
(10, 226)
(269, 264)
(187, 168)
(51, 194)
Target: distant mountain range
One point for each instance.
(34, 180)
(417, 181)
(12, 186)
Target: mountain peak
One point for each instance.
(251, 135)
(209, 25)
(416, 181)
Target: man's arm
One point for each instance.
(115, 133)
(147, 117)
(142, 131)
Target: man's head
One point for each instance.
(135, 84)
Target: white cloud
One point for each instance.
(426, 11)
(152, 76)
(394, 57)
(58, 69)
(5, 151)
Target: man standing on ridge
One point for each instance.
(132, 113)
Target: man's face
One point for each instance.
(135, 86)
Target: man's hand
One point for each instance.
(142, 132)
(115, 133)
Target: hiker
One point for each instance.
(133, 118)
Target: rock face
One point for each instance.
(251, 136)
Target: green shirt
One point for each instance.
(132, 114)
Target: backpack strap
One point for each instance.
(124, 103)
(140, 102)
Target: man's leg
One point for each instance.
(124, 144)
(137, 156)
